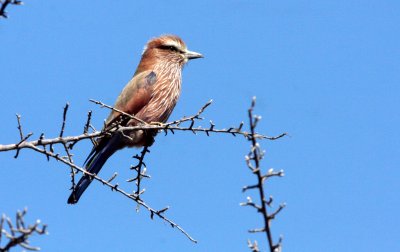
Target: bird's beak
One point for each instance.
(192, 55)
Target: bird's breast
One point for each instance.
(166, 92)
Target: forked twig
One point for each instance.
(18, 234)
(253, 160)
(5, 3)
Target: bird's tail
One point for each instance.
(94, 163)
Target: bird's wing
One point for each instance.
(136, 94)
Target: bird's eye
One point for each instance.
(169, 47)
(173, 48)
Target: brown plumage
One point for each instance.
(150, 95)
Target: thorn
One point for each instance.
(162, 210)
(240, 126)
(142, 191)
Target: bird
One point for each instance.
(150, 96)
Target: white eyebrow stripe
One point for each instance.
(173, 43)
(167, 43)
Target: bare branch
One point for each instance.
(5, 3)
(172, 126)
(138, 169)
(46, 146)
(253, 160)
(18, 234)
(114, 187)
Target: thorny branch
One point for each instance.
(18, 234)
(5, 3)
(253, 160)
(166, 127)
(138, 168)
(45, 146)
(64, 144)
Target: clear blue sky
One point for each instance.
(327, 72)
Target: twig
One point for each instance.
(253, 160)
(191, 118)
(18, 233)
(4, 5)
(64, 120)
(87, 124)
(117, 110)
(64, 144)
(21, 135)
(141, 164)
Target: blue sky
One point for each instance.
(326, 72)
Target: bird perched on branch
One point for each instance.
(150, 96)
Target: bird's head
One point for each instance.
(170, 48)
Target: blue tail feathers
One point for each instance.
(95, 161)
